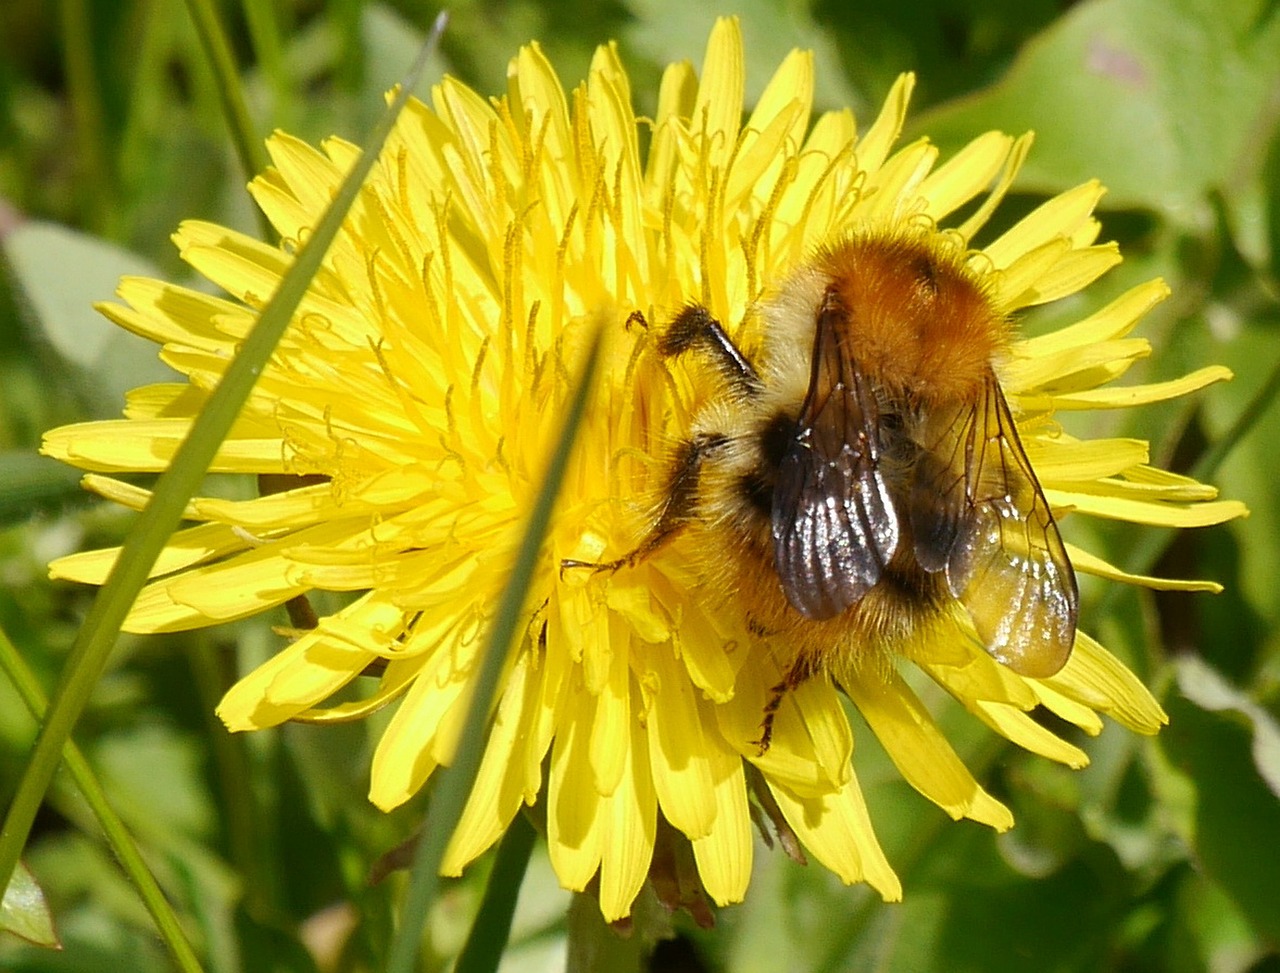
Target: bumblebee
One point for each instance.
(862, 480)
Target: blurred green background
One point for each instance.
(1162, 855)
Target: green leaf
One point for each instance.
(1236, 815)
(24, 911)
(1157, 98)
(61, 274)
(1208, 690)
(153, 772)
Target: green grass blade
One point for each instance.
(263, 23)
(244, 137)
(96, 167)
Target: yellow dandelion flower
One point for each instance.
(417, 392)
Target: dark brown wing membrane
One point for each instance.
(977, 513)
(834, 523)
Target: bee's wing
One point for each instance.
(834, 523)
(977, 513)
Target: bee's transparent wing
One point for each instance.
(977, 512)
(834, 523)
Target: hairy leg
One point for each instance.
(679, 509)
(695, 329)
(800, 670)
(692, 329)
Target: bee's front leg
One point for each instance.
(694, 327)
(679, 508)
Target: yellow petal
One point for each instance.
(982, 679)
(978, 219)
(1069, 708)
(613, 721)
(966, 173)
(1017, 727)
(169, 314)
(148, 446)
(724, 854)
(1062, 458)
(1114, 321)
(574, 829)
(636, 603)
(791, 758)
(1135, 395)
(166, 400)
(433, 707)
(874, 146)
(676, 95)
(243, 585)
(629, 824)
(836, 830)
(717, 112)
(678, 746)
(1153, 512)
(1098, 679)
(310, 670)
(776, 129)
(1089, 563)
(396, 678)
(1070, 369)
(1074, 271)
(310, 176)
(1058, 217)
(1009, 284)
(553, 683)
(183, 549)
(535, 93)
(919, 750)
(706, 657)
(892, 190)
(499, 786)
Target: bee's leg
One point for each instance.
(694, 327)
(678, 509)
(800, 670)
(776, 695)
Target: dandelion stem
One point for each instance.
(594, 946)
(262, 20)
(492, 927)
